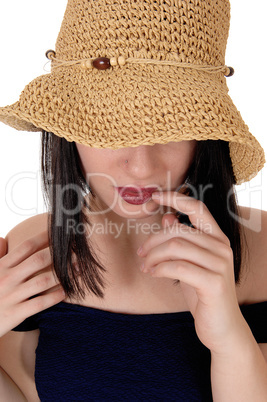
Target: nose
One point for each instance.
(142, 162)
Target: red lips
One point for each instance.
(136, 196)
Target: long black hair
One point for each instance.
(65, 190)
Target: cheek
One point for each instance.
(189, 154)
(92, 159)
(179, 164)
(86, 156)
(182, 159)
(96, 165)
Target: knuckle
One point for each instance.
(181, 266)
(39, 304)
(227, 252)
(226, 241)
(175, 243)
(58, 293)
(201, 207)
(36, 260)
(160, 270)
(27, 246)
(39, 258)
(43, 281)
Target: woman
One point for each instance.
(141, 149)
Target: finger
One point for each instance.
(168, 219)
(198, 213)
(3, 247)
(35, 264)
(205, 282)
(25, 249)
(31, 266)
(35, 286)
(181, 231)
(181, 249)
(33, 306)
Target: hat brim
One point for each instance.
(137, 105)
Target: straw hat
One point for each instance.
(139, 72)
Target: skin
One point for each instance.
(200, 257)
(32, 261)
(204, 264)
(162, 165)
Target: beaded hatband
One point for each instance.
(103, 63)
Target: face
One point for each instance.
(124, 179)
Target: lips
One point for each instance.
(136, 196)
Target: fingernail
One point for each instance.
(142, 267)
(156, 195)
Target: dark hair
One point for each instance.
(61, 169)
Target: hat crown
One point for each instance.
(192, 31)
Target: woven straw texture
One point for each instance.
(140, 104)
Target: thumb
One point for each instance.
(3, 247)
(168, 219)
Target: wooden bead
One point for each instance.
(50, 54)
(101, 63)
(121, 60)
(83, 65)
(88, 63)
(231, 72)
(113, 61)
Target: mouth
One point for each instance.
(136, 196)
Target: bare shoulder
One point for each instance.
(254, 267)
(26, 229)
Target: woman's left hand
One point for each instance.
(201, 258)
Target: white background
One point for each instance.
(28, 28)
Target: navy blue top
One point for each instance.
(87, 354)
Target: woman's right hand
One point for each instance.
(27, 283)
